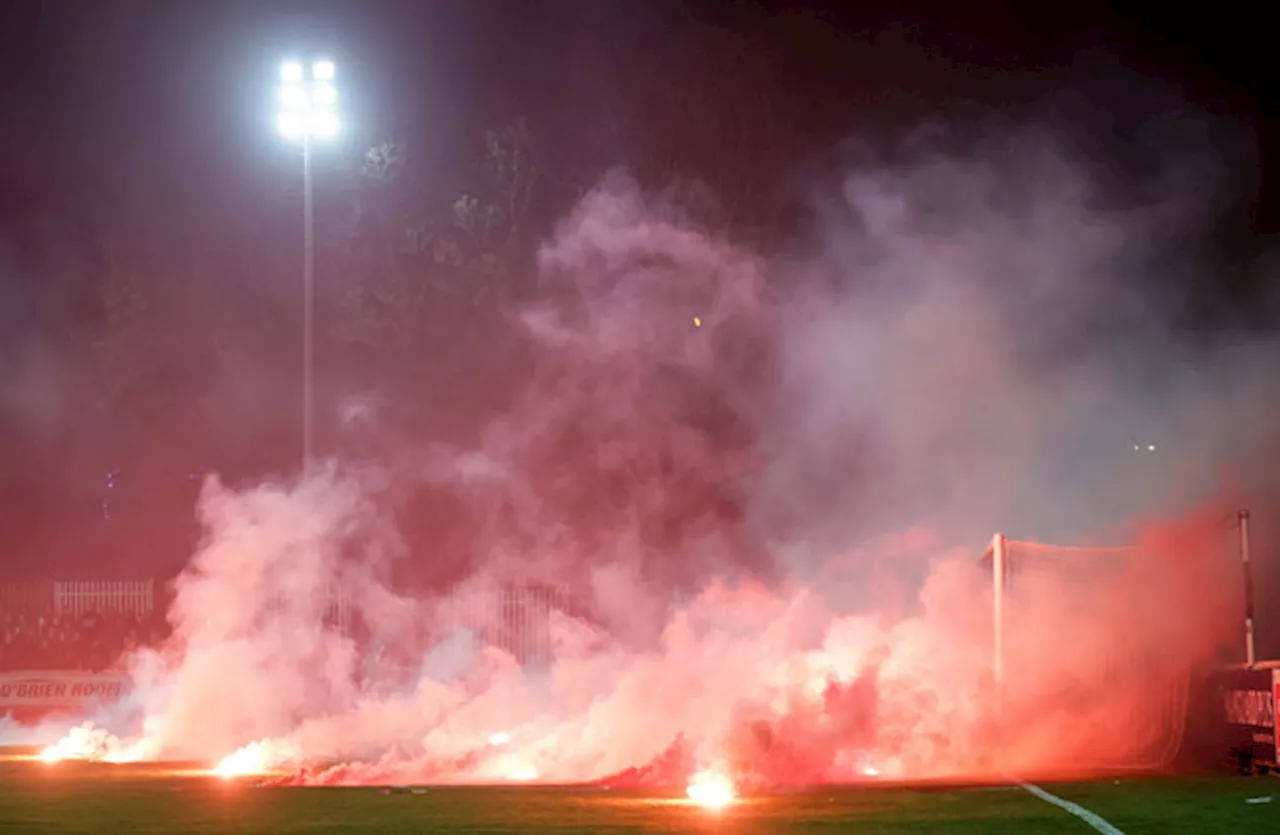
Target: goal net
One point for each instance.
(1085, 680)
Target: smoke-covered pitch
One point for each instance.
(736, 512)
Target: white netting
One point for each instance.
(1089, 679)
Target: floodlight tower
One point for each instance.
(308, 113)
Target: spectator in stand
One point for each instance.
(94, 641)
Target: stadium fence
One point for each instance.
(77, 598)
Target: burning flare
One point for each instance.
(524, 774)
(53, 754)
(86, 742)
(253, 759)
(711, 789)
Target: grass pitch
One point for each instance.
(72, 797)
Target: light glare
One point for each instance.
(524, 774)
(324, 95)
(290, 125)
(294, 98)
(308, 103)
(324, 125)
(249, 760)
(711, 790)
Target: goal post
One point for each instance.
(1246, 564)
(1085, 673)
(996, 553)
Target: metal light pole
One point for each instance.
(308, 308)
(308, 112)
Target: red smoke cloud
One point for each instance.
(763, 527)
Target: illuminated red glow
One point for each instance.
(618, 475)
(734, 683)
(927, 340)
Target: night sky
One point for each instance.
(139, 152)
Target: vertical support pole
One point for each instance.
(308, 309)
(1247, 566)
(998, 557)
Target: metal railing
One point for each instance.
(81, 597)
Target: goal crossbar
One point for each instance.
(997, 556)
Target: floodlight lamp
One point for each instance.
(291, 72)
(324, 124)
(324, 95)
(290, 125)
(322, 70)
(293, 97)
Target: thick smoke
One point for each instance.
(759, 489)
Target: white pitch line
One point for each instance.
(1092, 818)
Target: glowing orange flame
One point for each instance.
(711, 789)
(249, 760)
(524, 774)
(53, 754)
(85, 742)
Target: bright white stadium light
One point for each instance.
(324, 95)
(308, 104)
(294, 97)
(324, 124)
(291, 125)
